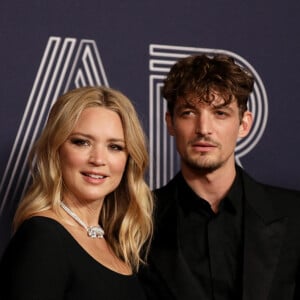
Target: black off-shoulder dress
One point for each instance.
(43, 261)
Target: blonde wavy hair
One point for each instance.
(126, 214)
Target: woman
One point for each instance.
(84, 226)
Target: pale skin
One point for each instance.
(93, 159)
(206, 136)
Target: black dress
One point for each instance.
(43, 261)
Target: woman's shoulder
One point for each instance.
(35, 258)
(38, 232)
(38, 224)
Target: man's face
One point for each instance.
(206, 134)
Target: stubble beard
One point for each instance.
(202, 164)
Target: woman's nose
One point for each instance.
(97, 156)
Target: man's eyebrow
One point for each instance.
(223, 106)
(185, 105)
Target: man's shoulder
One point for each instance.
(166, 197)
(281, 199)
(168, 190)
(276, 191)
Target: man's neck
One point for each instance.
(211, 186)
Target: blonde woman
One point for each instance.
(84, 226)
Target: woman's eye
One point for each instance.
(116, 147)
(80, 142)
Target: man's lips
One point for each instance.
(203, 146)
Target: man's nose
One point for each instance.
(203, 124)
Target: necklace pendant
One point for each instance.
(95, 232)
(92, 231)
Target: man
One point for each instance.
(218, 233)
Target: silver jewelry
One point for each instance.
(92, 231)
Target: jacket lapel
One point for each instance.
(263, 235)
(175, 274)
(168, 259)
(264, 229)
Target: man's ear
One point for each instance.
(246, 124)
(169, 122)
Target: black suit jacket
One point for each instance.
(271, 269)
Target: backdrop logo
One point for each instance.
(66, 63)
(165, 160)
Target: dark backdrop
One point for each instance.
(50, 46)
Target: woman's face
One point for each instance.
(94, 156)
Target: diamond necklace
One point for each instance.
(92, 231)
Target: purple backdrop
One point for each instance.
(50, 46)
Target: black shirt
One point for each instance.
(212, 243)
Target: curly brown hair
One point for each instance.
(200, 75)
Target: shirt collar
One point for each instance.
(190, 201)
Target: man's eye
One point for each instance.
(186, 113)
(221, 113)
